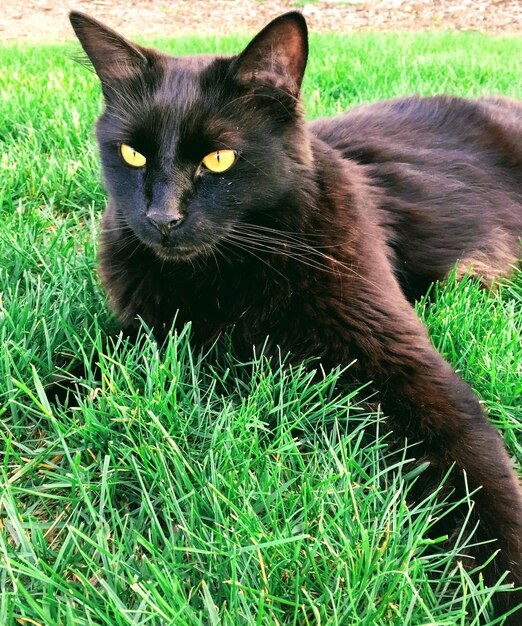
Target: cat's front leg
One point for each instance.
(427, 401)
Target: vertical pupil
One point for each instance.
(218, 157)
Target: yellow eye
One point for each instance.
(131, 156)
(220, 161)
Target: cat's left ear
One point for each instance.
(277, 55)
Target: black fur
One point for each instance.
(320, 236)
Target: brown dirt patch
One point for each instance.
(37, 20)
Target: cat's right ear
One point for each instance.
(112, 56)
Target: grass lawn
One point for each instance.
(200, 490)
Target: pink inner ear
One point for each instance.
(295, 56)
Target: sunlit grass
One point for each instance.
(194, 489)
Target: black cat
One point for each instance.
(227, 206)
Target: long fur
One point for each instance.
(319, 237)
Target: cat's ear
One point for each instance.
(112, 56)
(277, 55)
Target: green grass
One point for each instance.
(191, 489)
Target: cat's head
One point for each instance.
(192, 147)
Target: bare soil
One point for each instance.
(41, 20)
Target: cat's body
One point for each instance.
(450, 175)
(410, 150)
(319, 235)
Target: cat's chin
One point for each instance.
(177, 254)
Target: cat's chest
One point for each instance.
(215, 298)
(308, 320)
(276, 311)
(267, 304)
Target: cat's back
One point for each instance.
(425, 128)
(450, 174)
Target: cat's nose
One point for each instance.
(163, 221)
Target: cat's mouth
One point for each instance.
(170, 252)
